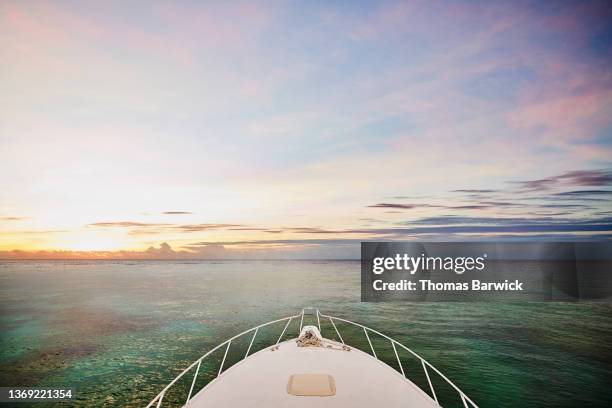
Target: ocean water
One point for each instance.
(119, 331)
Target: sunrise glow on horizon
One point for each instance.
(159, 130)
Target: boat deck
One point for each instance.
(261, 380)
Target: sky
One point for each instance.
(285, 129)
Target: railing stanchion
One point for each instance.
(251, 343)
(302, 321)
(463, 400)
(161, 397)
(398, 359)
(429, 381)
(372, 347)
(337, 332)
(194, 380)
(283, 333)
(229, 343)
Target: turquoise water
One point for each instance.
(119, 331)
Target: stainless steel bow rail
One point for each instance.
(158, 400)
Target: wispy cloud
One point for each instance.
(127, 224)
(584, 194)
(483, 205)
(475, 191)
(572, 178)
(9, 218)
(402, 206)
(205, 227)
(456, 219)
(267, 242)
(155, 227)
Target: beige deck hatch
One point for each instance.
(311, 385)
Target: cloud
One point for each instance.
(524, 228)
(483, 205)
(588, 178)
(460, 220)
(564, 206)
(311, 230)
(402, 206)
(514, 200)
(204, 227)
(125, 224)
(144, 227)
(475, 191)
(467, 207)
(449, 225)
(176, 213)
(8, 218)
(501, 204)
(164, 251)
(572, 178)
(583, 193)
(268, 242)
(477, 206)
